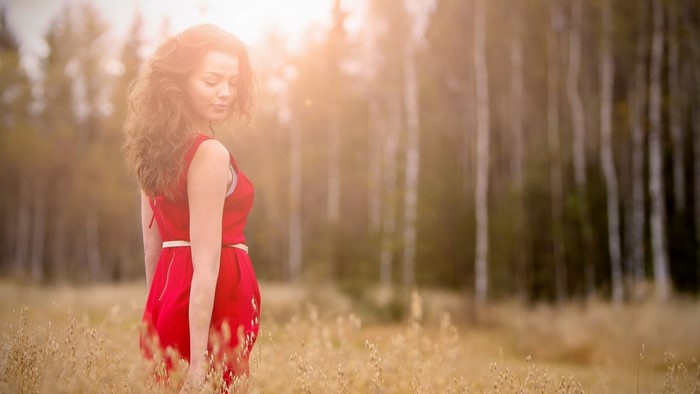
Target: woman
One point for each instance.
(203, 297)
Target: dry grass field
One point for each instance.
(84, 340)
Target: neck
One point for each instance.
(204, 128)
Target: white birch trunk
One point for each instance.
(520, 271)
(38, 234)
(389, 213)
(607, 69)
(694, 46)
(23, 226)
(656, 181)
(696, 149)
(554, 143)
(92, 244)
(517, 103)
(375, 128)
(295, 190)
(579, 138)
(10, 235)
(482, 155)
(675, 108)
(59, 243)
(468, 142)
(696, 161)
(577, 110)
(333, 208)
(637, 97)
(410, 90)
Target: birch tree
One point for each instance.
(693, 44)
(374, 177)
(295, 196)
(607, 70)
(412, 165)
(554, 144)
(517, 103)
(637, 90)
(381, 61)
(418, 12)
(482, 155)
(675, 107)
(389, 213)
(656, 180)
(517, 131)
(335, 41)
(579, 137)
(15, 149)
(40, 170)
(23, 229)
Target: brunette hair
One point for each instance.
(159, 126)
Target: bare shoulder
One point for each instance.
(211, 154)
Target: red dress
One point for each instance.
(236, 312)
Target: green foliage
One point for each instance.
(61, 134)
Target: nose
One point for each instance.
(225, 90)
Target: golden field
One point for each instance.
(63, 339)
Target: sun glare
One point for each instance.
(252, 20)
(249, 20)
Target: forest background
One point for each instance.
(538, 150)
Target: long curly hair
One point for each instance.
(159, 126)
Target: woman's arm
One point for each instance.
(206, 188)
(152, 243)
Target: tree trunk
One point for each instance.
(333, 206)
(607, 70)
(59, 241)
(389, 213)
(23, 226)
(637, 97)
(693, 35)
(38, 232)
(516, 168)
(295, 206)
(555, 170)
(482, 155)
(10, 234)
(375, 132)
(675, 108)
(577, 110)
(656, 181)
(468, 142)
(579, 140)
(92, 243)
(410, 90)
(517, 103)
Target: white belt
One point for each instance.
(175, 244)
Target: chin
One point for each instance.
(218, 118)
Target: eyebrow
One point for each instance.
(216, 74)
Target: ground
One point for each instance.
(84, 339)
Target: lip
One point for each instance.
(219, 107)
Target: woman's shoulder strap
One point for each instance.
(189, 154)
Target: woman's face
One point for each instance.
(212, 88)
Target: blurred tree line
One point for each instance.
(542, 149)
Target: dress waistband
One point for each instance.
(175, 244)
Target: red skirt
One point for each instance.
(235, 320)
